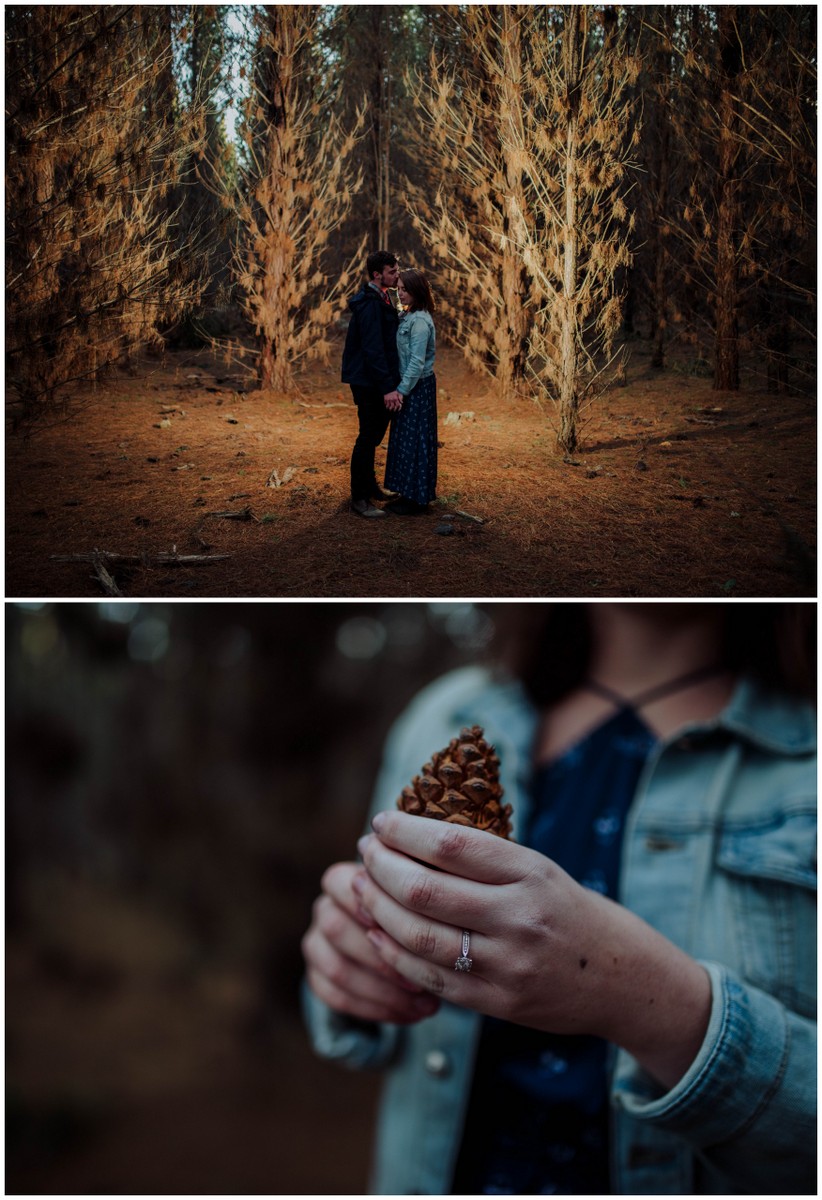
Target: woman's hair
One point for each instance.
(419, 289)
(548, 646)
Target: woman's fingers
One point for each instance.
(425, 938)
(348, 938)
(470, 853)
(341, 1001)
(420, 948)
(336, 883)
(347, 987)
(471, 990)
(343, 920)
(449, 899)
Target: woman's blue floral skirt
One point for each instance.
(411, 462)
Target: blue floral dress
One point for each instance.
(411, 461)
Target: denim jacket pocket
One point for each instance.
(404, 349)
(769, 868)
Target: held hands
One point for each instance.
(547, 952)
(393, 401)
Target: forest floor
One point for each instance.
(676, 490)
(168, 1087)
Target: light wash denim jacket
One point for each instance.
(719, 855)
(416, 344)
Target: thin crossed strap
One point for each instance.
(655, 693)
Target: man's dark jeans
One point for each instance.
(374, 420)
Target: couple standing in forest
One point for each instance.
(388, 362)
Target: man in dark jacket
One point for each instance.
(371, 367)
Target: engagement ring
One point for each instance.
(464, 963)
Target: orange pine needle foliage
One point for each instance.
(297, 189)
(533, 141)
(94, 145)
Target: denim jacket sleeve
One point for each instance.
(747, 1103)
(414, 334)
(360, 1045)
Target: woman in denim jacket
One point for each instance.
(648, 1029)
(411, 460)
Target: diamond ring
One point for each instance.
(464, 963)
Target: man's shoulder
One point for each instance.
(366, 300)
(363, 296)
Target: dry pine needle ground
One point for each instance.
(677, 490)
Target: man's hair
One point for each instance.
(378, 260)
(419, 289)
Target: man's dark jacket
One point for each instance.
(370, 356)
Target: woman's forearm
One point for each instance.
(656, 1002)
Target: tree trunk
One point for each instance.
(380, 89)
(569, 393)
(513, 355)
(726, 370)
(660, 282)
(268, 360)
(777, 345)
(384, 164)
(275, 370)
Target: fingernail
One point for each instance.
(377, 822)
(375, 938)
(364, 916)
(358, 884)
(363, 842)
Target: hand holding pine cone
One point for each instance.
(461, 785)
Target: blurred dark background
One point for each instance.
(178, 778)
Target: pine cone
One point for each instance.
(461, 785)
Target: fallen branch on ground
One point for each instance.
(105, 578)
(138, 560)
(240, 514)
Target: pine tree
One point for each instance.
(533, 135)
(658, 159)
(92, 154)
(469, 206)
(295, 189)
(747, 118)
(778, 246)
(575, 146)
(370, 48)
(204, 221)
(726, 372)
(367, 38)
